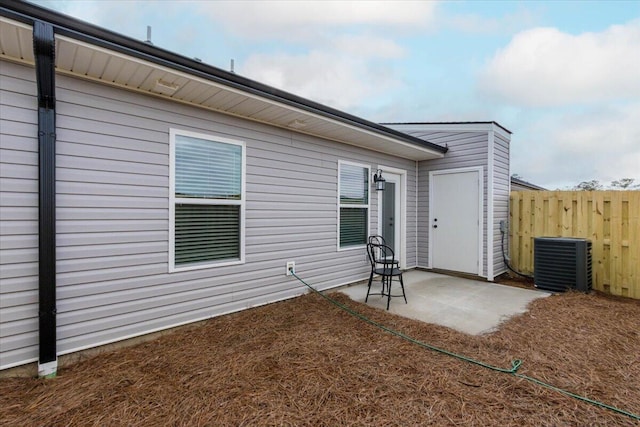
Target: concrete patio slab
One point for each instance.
(469, 306)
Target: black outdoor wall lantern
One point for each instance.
(379, 180)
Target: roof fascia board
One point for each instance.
(73, 28)
(420, 148)
(460, 126)
(503, 132)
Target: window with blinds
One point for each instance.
(207, 207)
(353, 205)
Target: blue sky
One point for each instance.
(563, 76)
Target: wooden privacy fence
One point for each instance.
(610, 219)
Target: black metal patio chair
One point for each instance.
(383, 263)
(379, 240)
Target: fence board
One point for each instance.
(610, 219)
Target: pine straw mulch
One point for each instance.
(304, 362)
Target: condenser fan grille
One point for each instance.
(562, 263)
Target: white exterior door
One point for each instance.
(456, 220)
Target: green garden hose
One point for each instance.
(515, 364)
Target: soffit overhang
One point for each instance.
(81, 59)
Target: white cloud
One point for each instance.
(303, 20)
(367, 46)
(337, 53)
(129, 18)
(608, 140)
(602, 143)
(333, 78)
(546, 67)
(481, 24)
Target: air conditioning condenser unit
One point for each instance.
(561, 263)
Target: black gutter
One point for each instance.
(44, 52)
(89, 33)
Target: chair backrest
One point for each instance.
(377, 239)
(386, 257)
(371, 253)
(380, 254)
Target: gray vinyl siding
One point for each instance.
(113, 217)
(501, 181)
(466, 149)
(18, 215)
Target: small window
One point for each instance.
(353, 211)
(207, 201)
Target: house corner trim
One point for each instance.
(490, 202)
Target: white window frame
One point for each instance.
(367, 206)
(225, 202)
